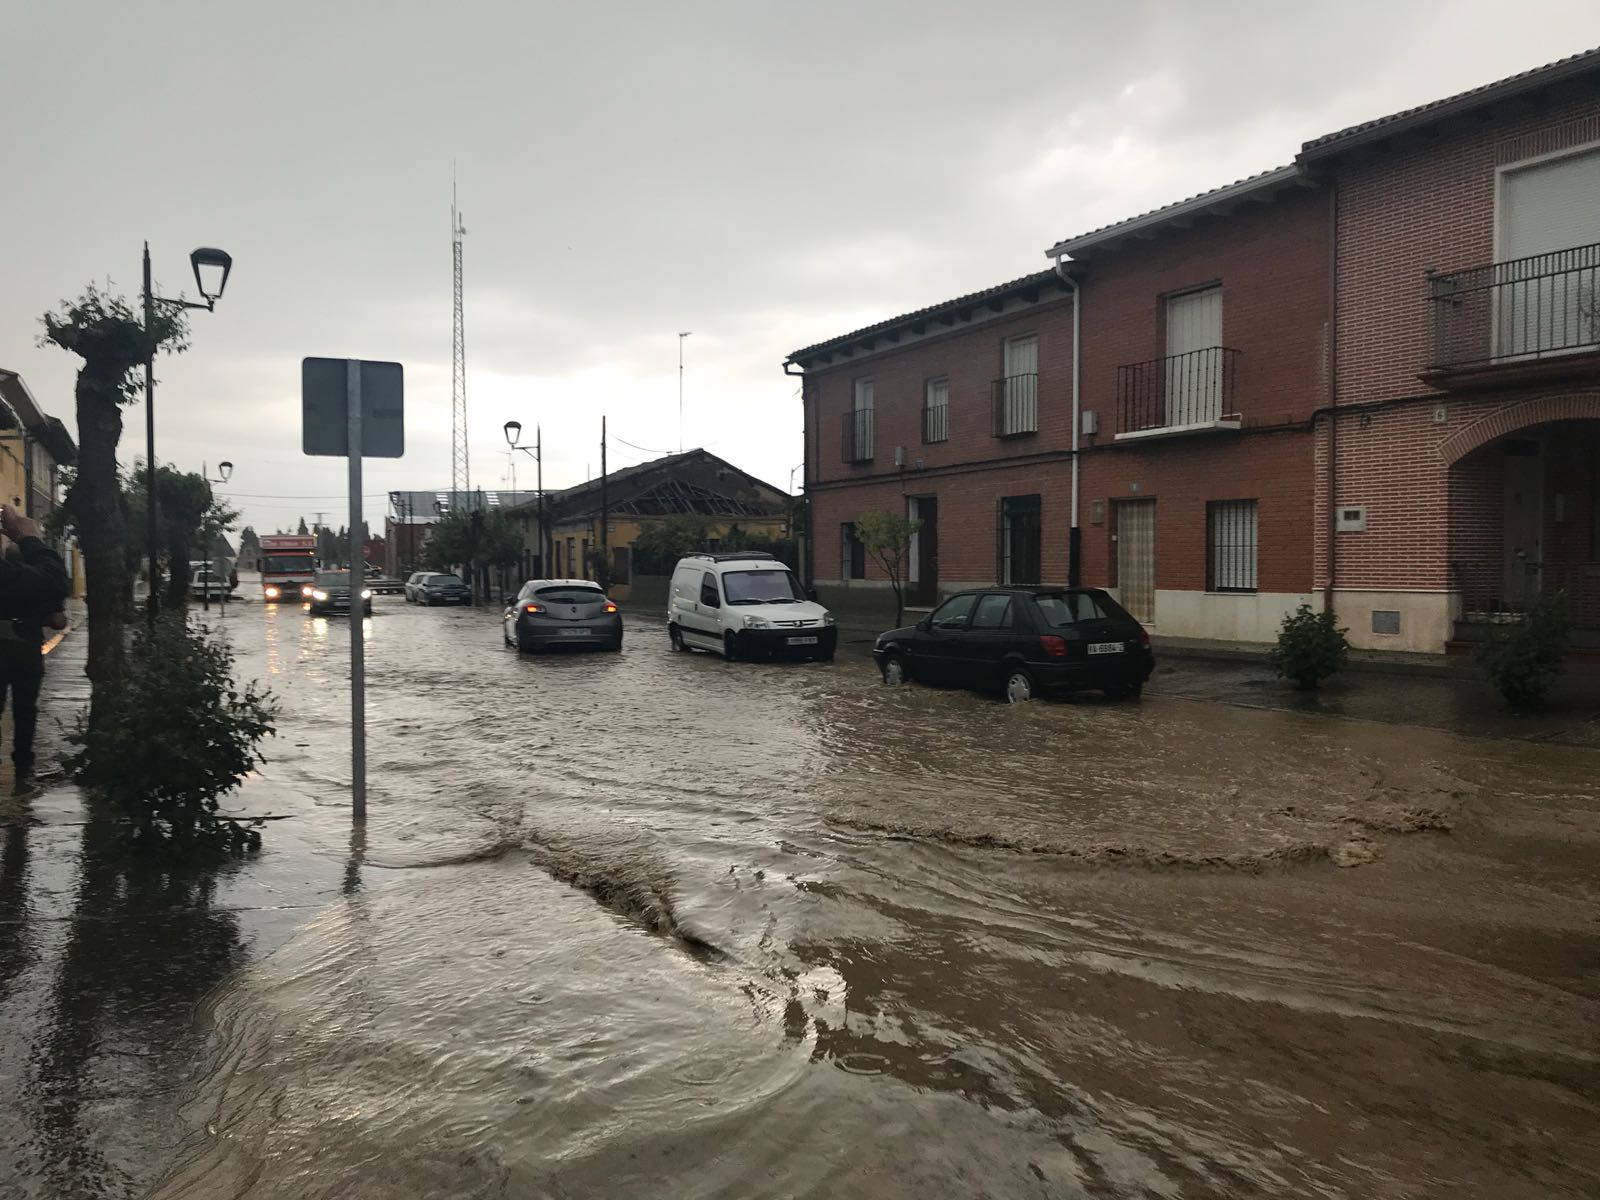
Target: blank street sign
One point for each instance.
(325, 422)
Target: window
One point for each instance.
(570, 594)
(708, 591)
(992, 612)
(858, 424)
(1194, 357)
(936, 410)
(1547, 218)
(1017, 393)
(761, 587)
(953, 613)
(1231, 546)
(852, 554)
(1020, 539)
(1060, 609)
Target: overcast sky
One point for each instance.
(763, 175)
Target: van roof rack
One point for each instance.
(733, 555)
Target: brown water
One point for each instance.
(653, 925)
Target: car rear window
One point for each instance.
(1068, 608)
(570, 595)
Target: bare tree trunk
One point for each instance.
(178, 574)
(97, 501)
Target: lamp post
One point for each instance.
(513, 431)
(211, 268)
(224, 470)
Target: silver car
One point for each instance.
(553, 614)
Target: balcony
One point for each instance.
(936, 423)
(1016, 406)
(1177, 394)
(858, 436)
(1525, 320)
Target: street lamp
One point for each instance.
(224, 470)
(211, 269)
(513, 431)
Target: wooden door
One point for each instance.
(1136, 557)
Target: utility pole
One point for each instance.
(544, 532)
(153, 603)
(681, 336)
(604, 570)
(460, 472)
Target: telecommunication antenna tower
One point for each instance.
(460, 472)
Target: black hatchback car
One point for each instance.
(1022, 642)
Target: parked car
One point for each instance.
(746, 605)
(380, 584)
(565, 613)
(330, 594)
(207, 582)
(436, 587)
(1023, 642)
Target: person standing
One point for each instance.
(33, 588)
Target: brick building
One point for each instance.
(1367, 379)
(1465, 450)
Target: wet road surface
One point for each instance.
(655, 925)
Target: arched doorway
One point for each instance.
(1525, 520)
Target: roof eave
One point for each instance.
(1370, 133)
(1219, 202)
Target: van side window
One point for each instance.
(708, 591)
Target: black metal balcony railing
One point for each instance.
(858, 436)
(1516, 311)
(1016, 405)
(936, 423)
(1177, 389)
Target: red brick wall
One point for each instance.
(1428, 203)
(972, 359)
(1181, 475)
(1272, 261)
(1415, 204)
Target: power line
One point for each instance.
(641, 449)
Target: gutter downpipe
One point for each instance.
(807, 560)
(1075, 533)
(1333, 396)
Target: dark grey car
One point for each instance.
(443, 589)
(550, 614)
(331, 594)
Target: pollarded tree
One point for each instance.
(113, 343)
(887, 537)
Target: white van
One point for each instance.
(746, 605)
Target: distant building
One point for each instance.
(694, 483)
(412, 515)
(33, 448)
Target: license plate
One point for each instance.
(1105, 647)
(803, 641)
(574, 633)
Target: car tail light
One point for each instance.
(533, 608)
(610, 607)
(1055, 647)
(1144, 638)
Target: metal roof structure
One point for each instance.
(673, 496)
(1571, 67)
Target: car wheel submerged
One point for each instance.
(894, 671)
(730, 647)
(675, 637)
(1019, 686)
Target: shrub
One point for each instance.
(1523, 658)
(175, 738)
(1311, 647)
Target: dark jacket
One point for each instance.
(32, 587)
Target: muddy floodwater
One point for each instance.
(653, 925)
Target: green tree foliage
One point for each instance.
(113, 341)
(1522, 659)
(302, 530)
(181, 735)
(477, 537)
(661, 544)
(887, 538)
(189, 519)
(1311, 647)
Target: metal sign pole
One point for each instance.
(358, 713)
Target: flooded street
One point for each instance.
(655, 925)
